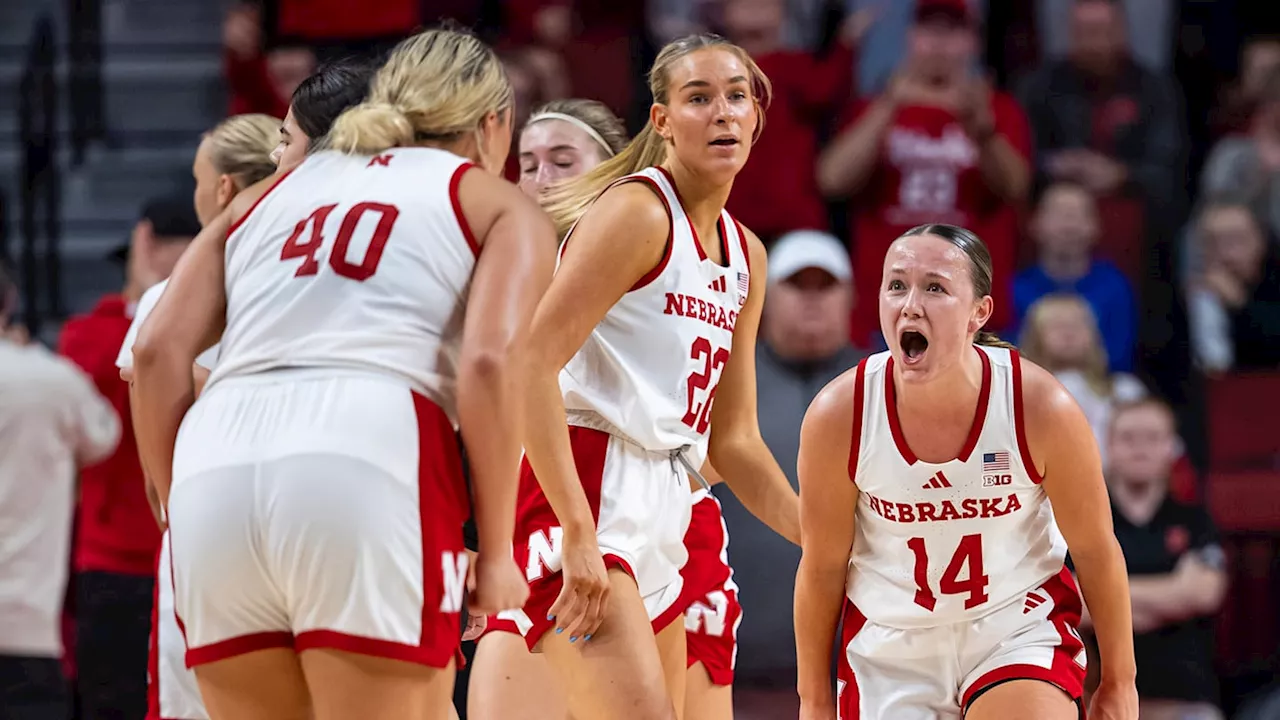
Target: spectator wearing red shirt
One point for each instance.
(116, 538)
(777, 191)
(938, 146)
(258, 81)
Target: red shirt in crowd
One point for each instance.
(777, 190)
(115, 531)
(928, 173)
(348, 20)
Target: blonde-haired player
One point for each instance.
(232, 156)
(631, 345)
(372, 297)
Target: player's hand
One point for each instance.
(581, 605)
(499, 585)
(1114, 701)
(475, 626)
(817, 711)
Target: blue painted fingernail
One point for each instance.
(559, 630)
(550, 616)
(573, 639)
(586, 638)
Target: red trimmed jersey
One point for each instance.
(353, 262)
(941, 543)
(649, 370)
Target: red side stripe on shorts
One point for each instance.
(855, 442)
(456, 202)
(1019, 419)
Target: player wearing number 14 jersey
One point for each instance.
(376, 298)
(969, 472)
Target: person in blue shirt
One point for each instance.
(1066, 227)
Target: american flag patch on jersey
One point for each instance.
(995, 462)
(744, 283)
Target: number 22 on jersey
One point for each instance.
(307, 240)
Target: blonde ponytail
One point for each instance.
(990, 339)
(567, 201)
(370, 128)
(241, 146)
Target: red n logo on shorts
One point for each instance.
(453, 566)
(710, 617)
(545, 547)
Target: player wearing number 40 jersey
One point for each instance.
(971, 472)
(373, 297)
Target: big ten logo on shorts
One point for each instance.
(453, 566)
(709, 616)
(545, 547)
(997, 479)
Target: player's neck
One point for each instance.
(953, 393)
(701, 201)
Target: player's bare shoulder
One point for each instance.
(634, 205)
(829, 422)
(1053, 420)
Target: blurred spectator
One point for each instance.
(1234, 297)
(1061, 335)
(1151, 38)
(343, 27)
(777, 190)
(116, 536)
(1102, 120)
(1177, 569)
(805, 345)
(1248, 166)
(1259, 58)
(882, 53)
(260, 81)
(1065, 227)
(52, 421)
(938, 146)
(800, 25)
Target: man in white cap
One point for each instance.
(805, 345)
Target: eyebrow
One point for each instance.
(929, 274)
(557, 148)
(704, 84)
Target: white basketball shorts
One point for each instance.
(318, 510)
(172, 692)
(931, 673)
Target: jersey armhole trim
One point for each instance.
(855, 441)
(697, 242)
(236, 225)
(454, 182)
(656, 270)
(742, 240)
(1019, 419)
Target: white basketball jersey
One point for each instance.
(350, 262)
(649, 370)
(947, 542)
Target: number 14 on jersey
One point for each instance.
(966, 560)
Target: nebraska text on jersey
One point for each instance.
(698, 309)
(966, 509)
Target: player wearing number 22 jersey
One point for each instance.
(638, 398)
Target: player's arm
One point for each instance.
(620, 239)
(188, 319)
(736, 447)
(1062, 443)
(515, 264)
(828, 497)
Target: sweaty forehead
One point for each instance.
(925, 253)
(546, 135)
(711, 65)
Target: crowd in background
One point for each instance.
(1121, 158)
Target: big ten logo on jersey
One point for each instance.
(996, 479)
(367, 225)
(545, 548)
(453, 568)
(709, 616)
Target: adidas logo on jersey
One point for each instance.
(937, 481)
(1033, 601)
(718, 285)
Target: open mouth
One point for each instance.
(724, 142)
(913, 345)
